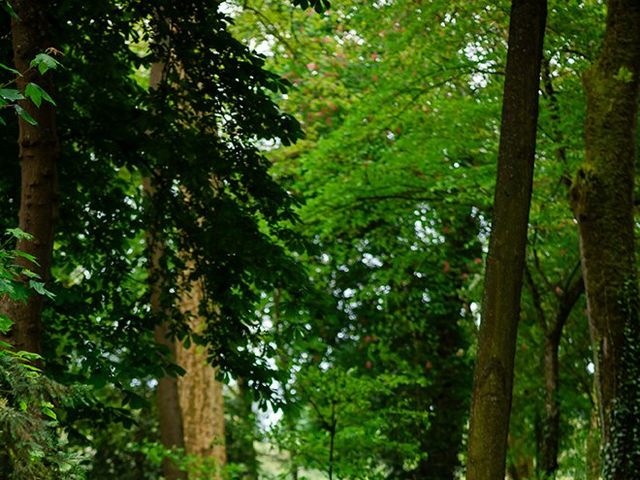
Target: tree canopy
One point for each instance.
(255, 239)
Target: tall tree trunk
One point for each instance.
(551, 423)
(194, 400)
(603, 205)
(201, 400)
(39, 152)
(493, 380)
(169, 413)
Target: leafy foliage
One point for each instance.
(36, 446)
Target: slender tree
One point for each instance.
(552, 327)
(491, 402)
(39, 151)
(603, 204)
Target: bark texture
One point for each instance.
(39, 152)
(201, 400)
(603, 204)
(170, 415)
(493, 380)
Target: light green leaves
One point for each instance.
(624, 75)
(44, 62)
(5, 324)
(19, 234)
(47, 409)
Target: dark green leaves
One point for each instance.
(25, 115)
(6, 6)
(37, 94)
(10, 95)
(318, 5)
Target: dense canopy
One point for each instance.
(255, 239)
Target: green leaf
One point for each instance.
(20, 253)
(5, 324)
(44, 63)
(25, 115)
(9, 69)
(34, 92)
(28, 356)
(11, 94)
(6, 6)
(40, 288)
(19, 234)
(135, 401)
(29, 274)
(98, 380)
(624, 75)
(49, 412)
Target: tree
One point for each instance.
(552, 325)
(38, 154)
(603, 204)
(493, 378)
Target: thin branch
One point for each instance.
(536, 262)
(566, 304)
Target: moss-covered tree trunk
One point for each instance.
(493, 380)
(603, 204)
(39, 152)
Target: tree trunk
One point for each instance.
(551, 423)
(39, 152)
(201, 400)
(169, 414)
(493, 380)
(593, 446)
(603, 204)
(195, 399)
(550, 441)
